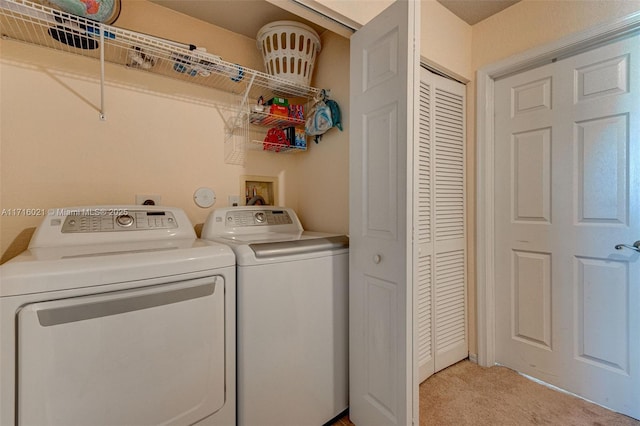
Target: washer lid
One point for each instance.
(268, 237)
(275, 247)
(301, 246)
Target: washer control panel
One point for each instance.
(256, 218)
(103, 220)
(234, 222)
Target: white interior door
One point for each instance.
(440, 244)
(384, 72)
(567, 191)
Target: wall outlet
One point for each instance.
(142, 199)
(234, 200)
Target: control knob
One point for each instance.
(124, 220)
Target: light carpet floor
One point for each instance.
(467, 394)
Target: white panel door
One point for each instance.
(567, 192)
(439, 238)
(383, 367)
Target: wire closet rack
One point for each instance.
(34, 23)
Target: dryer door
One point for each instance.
(148, 356)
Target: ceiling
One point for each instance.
(244, 17)
(248, 16)
(474, 11)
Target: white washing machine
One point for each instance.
(292, 316)
(118, 316)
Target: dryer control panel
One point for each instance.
(123, 220)
(73, 226)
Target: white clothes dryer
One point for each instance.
(292, 316)
(118, 316)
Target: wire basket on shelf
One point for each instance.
(289, 50)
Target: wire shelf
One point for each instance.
(255, 145)
(270, 120)
(37, 24)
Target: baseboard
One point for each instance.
(473, 358)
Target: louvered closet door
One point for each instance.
(440, 225)
(423, 232)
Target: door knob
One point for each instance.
(635, 246)
(377, 259)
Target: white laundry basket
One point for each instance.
(289, 50)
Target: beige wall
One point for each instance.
(323, 173)
(356, 9)
(445, 40)
(532, 23)
(160, 137)
(150, 18)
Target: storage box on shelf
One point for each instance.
(34, 23)
(281, 144)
